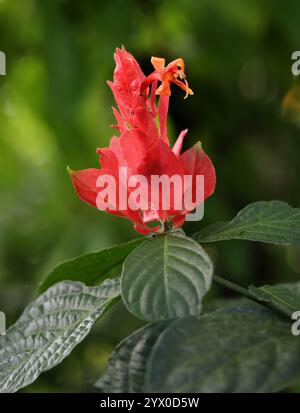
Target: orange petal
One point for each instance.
(183, 86)
(158, 63)
(164, 89)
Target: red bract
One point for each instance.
(143, 146)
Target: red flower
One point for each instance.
(143, 149)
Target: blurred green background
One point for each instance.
(55, 109)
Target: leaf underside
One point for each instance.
(49, 329)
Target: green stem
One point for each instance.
(232, 286)
(246, 293)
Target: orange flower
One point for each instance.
(172, 73)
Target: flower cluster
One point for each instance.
(143, 145)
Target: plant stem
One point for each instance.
(246, 293)
(232, 286)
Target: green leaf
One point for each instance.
(166, 277)
(238, 349)
(92, 268)
(272, 222)
(127, 365)
(49, 329)
(284, 297)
